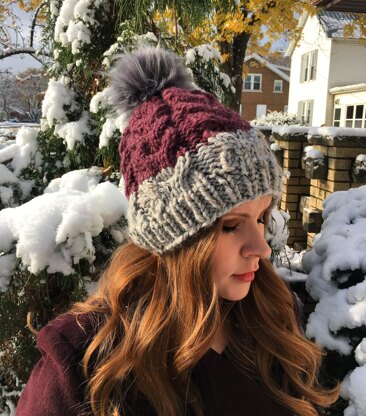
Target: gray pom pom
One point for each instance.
(139, 75)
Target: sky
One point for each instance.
(19, 63)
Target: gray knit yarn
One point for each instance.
(203, 185)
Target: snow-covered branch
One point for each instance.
(17, 51)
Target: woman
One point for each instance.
(189, 318)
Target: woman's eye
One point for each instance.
(230, 228)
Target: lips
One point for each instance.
(246, 277)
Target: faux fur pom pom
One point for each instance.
(139, 75)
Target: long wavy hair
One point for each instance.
(156, 316)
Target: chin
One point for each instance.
(234, 294)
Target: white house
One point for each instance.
(328, 72)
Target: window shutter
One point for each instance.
(299, 108)
(302, 71)
(314, 62)
(310, 111)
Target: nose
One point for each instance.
(256, 245)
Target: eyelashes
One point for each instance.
(230, 229)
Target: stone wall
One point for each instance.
(316, 162)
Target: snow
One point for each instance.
(15, 156)
(205, 51)
(277, 118)
(74, 23)
(101, 100)
(7, 262)
(226, 79)
(55, 230)
(360, 352)
(312, 153)
(57, 98)
(289, 275)
(5, 194)
(75, 131)
(21, 151)
(27, 149)
(334, 312)
(282, 130)
(277, 233)
(355, 391)
(337, 131)
(275, 147)
(7, 176)
(361, 158)
(108, 129)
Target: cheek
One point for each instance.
(223, 258)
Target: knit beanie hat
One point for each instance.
(185, 158)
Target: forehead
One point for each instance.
(255, 206)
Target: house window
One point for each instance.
(278, 85)
(337, 117)
(356, 116)
(253, 82)
(305, 111)
(308, 66)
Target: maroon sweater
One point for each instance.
(56, 385)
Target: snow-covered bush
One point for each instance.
(204, 61)
(277, 232)
(278, 118)
(337, 281)
(20, 162)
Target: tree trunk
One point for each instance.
(234, 64)
(239, 48)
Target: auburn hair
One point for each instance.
(156, 316)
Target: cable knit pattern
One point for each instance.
(166, 127)
(206, 182)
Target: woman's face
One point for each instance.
(239, 247)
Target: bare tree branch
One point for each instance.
(34, 23)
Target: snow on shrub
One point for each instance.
(337, 271)
(15, 156)
(54, 231)
(204, 61)
(277, 118)
(277, 232)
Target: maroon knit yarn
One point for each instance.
(166, 127)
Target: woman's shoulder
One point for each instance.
(70, 331)
(56, 385)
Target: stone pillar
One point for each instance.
(292, 141)
(340, 153)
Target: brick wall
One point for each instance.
(308, 181)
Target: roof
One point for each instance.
(334, 23)
(277, 69)
(348, 88)
(353, 6)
